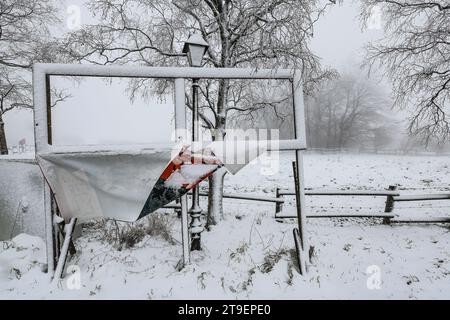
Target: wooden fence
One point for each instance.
(391, 193)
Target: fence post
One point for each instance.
(389, 205)
(278, 205)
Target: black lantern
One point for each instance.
(195, 47)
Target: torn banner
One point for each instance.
(127, 186)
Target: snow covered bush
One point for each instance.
(160, 225)
(272, 258)
(123, 235)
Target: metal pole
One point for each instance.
(49, 230)
(195, 211)
(64, 250)
(195, 112)
(185, 231)
(300, 235)
(301, 193)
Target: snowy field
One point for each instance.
(249, 254)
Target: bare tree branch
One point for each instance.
(241, 33)
(415, 55)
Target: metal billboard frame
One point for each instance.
(42, 73)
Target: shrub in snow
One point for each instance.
(125, 235)
(272, 258)
(160, 225)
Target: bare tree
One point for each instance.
(416, 57)
(347, 112)
(262, 104)
(14, 92)
(241, 33)
(24, 39)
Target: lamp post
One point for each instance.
(195, 47)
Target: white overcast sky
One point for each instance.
(99, 113)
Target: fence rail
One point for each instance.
(248, 197)
(412, 152)
(422, 220)
(423, 197)
(338, 215)
(392, 195)
(342, 193)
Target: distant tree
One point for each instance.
(346, 112)
(24, 39)
(14, 91)
(241, 33)
(416, 57)
(385, 134)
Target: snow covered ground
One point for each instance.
(249, 254)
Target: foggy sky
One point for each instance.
(97, 113)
